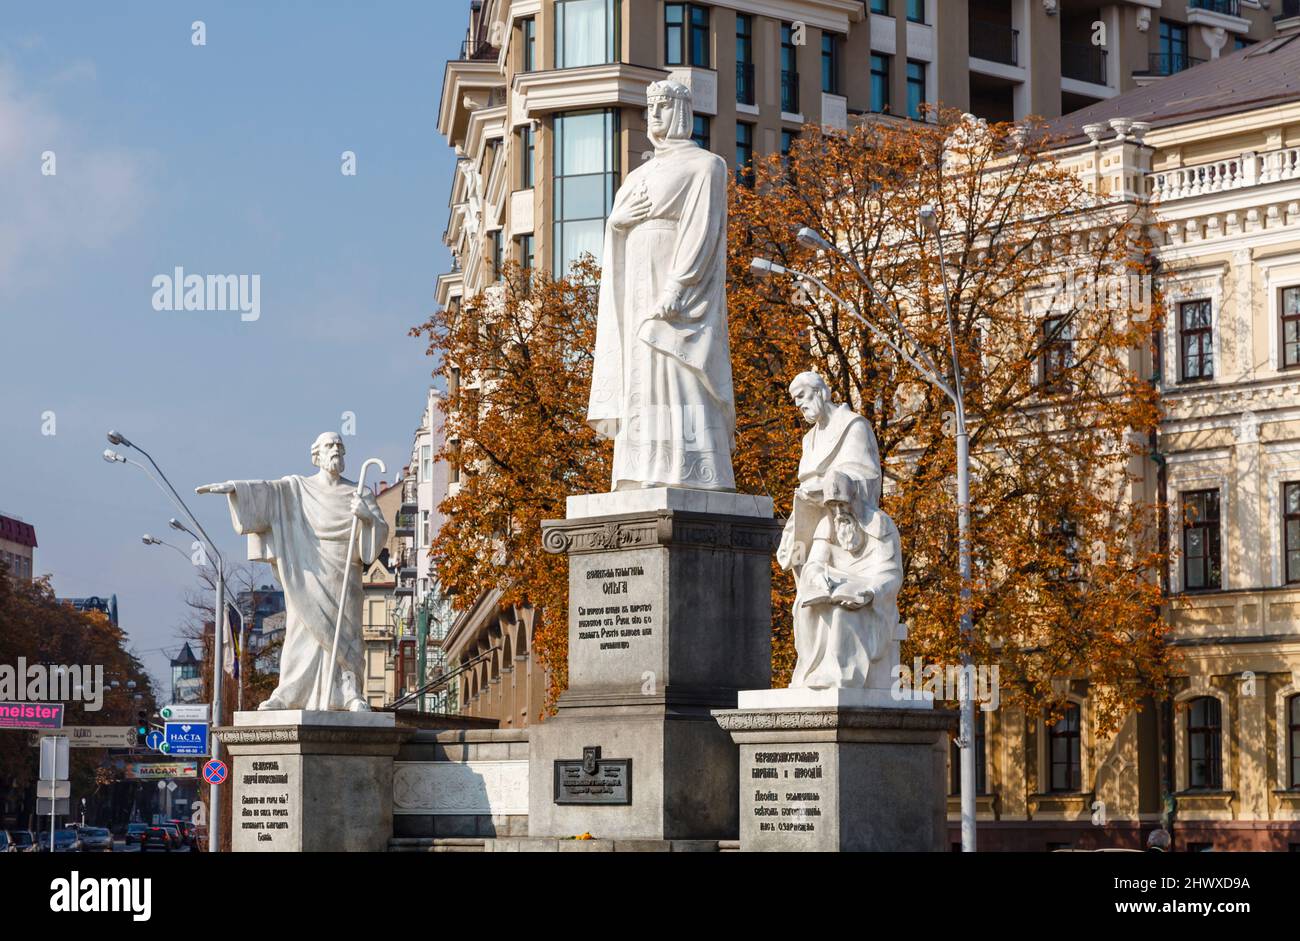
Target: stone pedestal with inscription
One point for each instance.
(831, 777)
(669, 617)
(311, 781)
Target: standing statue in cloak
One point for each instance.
(303, 526)
(661, 380)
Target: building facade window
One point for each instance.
(830, 63)
(528, 29)
(586, 33)
(1202, 568)
(1057, 354)
(700, 130)
(686, 34)
(1195, 341)
(789, 70)
(1204, 744)
(879, 83)
(1290, 332)
(880, 6)
(1065, 772)
(586, 176)
(527, 156)
(426, 463)
(425, 536)
(745, 153)
(916, 11)
(915, 89)
(744, 59)
(954, 760)
(497, 256)
(526, 259)
(1293, 738)
(1291, 532)
(1173, 48)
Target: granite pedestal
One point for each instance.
(307, 781)
(834, 777)
(669, 617)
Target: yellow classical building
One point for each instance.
(1213, 157)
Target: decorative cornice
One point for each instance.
(311, 735)
(661, 528)
(766, 720)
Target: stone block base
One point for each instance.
(312, 781)
(838, 779)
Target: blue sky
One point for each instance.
(223, 159)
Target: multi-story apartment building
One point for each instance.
(378, 624)
(545, 104)
(1213, 158)
(17, 546)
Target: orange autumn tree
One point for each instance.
(517, 362)
(1052, 341)
(1065, 547)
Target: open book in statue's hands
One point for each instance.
(844, 594)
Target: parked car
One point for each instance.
(65, 841)
(185, 828)
(6, 845)
(159, 838)
(95, 839)
(23, 841)
(135, 832)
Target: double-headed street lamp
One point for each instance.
(113, 457)
(921, 361)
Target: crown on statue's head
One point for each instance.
(666, 90)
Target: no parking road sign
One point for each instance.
(214, 772)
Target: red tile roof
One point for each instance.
(17, 531)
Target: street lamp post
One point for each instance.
(113, 457)
(929, 371)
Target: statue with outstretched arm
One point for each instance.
(316, 533)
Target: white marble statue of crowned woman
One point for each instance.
(661, 379)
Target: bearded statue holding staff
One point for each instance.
(661, 379)
(315, 532)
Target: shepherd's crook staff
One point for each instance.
(347, 572)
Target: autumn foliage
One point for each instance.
(1058, 395)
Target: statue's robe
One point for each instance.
(661, 389)
(836, 646)
(847, 445)
(300, 526)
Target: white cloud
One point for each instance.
(96, 194)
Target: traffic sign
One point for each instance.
(54, 758)
(43, 808)
(155, 741)
(171, 786)
(161, 785)
(92, 736)
(214, 772)
(185, 738)
(62, 789)
(185, 712)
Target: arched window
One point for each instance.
(1293, 738)
(1204, 744)
(1064, 770)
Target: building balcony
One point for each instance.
(1230, 173)
(410, 497)
(1226, 7)
(745, 86)
(1163, 64)
(1083, 62)
(404, 525)
(617, 84)
(789, 92)
(994, 42)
